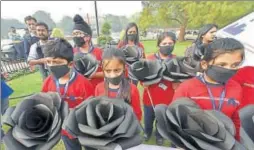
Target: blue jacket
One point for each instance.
(6, 91)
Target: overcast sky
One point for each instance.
(57, 9)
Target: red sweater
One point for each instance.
(79, 89)
(161, 93)
(97, 52)
(245, 77)
(197, 90)
(135, 101)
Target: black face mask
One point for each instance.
(79, 41)
(166, 50)
(220, 74)
(132, 37)
(115, 80)
(59, 71)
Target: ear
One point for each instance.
(204, 65)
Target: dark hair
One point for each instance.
(58, 48)
(42, 24)
(124, 91)
(202, 31)
(163, 35)
(27, 18)
(221, 46)
(125, 38)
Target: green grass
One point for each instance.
(32, 83)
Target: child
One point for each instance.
(115, 83)
(245, 77)
(83, 40)
(214, 89)
(162, 92)
(72, 86)
(131, 38)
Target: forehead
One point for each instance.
(229, 58)
(132, 29)
(112, 64)
(213, 29)
(167, 40)
(40, 27)
(30, 21)
(77, 31)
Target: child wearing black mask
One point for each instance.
(82, 37)
(214, 89)
(72, 86)
(115, 83)
(162, 92)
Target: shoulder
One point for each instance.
(234, 85)
(48, 81)
(100, 85)
(191, 83)
(80, 78)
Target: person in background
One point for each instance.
(162, 92)
(245, 77)
(31, 38)
(73, 87)
(131, 38)
(13, 35)
(36, 54)
(116, 85)
(214, 89)
(6, 91)
(206, 35)
(82, 37)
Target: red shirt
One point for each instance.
(245, 77)
(97, 52)
(161, 93)
(78, 90)
(196, 90)
(135, 101)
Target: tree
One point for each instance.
(117, 22)
(57, 33)
(192, 14)
(106, 29)
(7, 23)
(105, 37)
(66, 24)
(45, 17)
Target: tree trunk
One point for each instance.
(182, 33)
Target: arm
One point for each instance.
(33, 57)
(89, 89)
(135, 102)
(120, 44)
(237, 122)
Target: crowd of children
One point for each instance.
(221, 85)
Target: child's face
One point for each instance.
(57, 62)
(112, 68)
(227, 60)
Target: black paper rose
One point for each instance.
(147, 71)
(132, 54)
(35, 122)
(189, 127)
(86, 64)
(104, 123)
(247, 126)
(175, 70)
